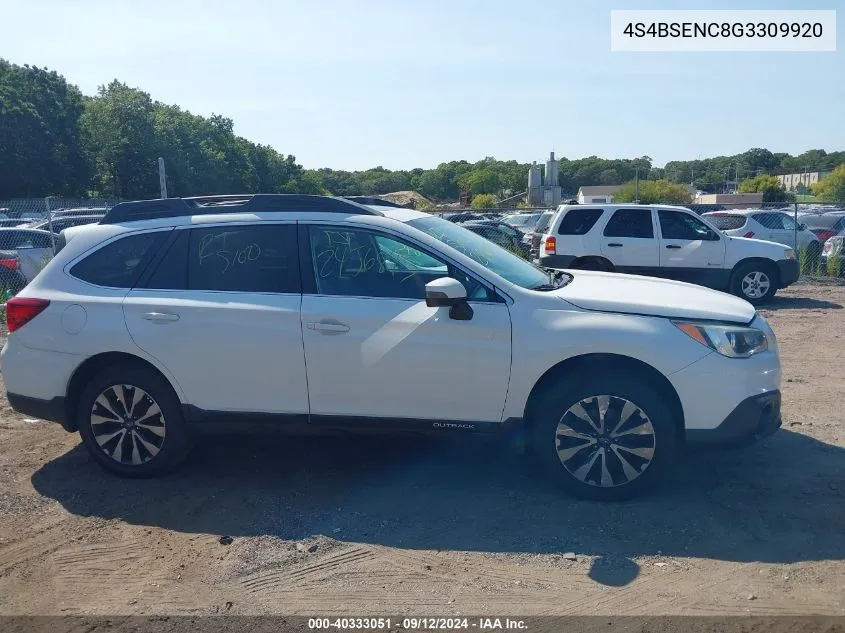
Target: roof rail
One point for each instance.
(374, 202)
(208, 205)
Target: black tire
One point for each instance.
(550, 432)
(742, 282)
(146, 429)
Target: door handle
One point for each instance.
(672, 246)
(328, 327)
(615, 245)
(160, 317)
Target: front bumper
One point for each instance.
(753, 419)
(789, 272)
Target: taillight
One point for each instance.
(22, 310)
(824, 235)
(12, 263)
(749, 234)
(551, 245)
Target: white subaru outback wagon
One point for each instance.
(170, 316)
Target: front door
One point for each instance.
(690, 250)
(628, 241)
(373, 348)
(220, 311)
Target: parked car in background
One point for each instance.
(670, 242)
(7, 222)
(523, 221)
(537, 232)
(499, 233)
(349, 316)
(11, 278)
(460, 217)
(61, 223)
(762, 224)
(824, 225)
(833, 255)
(33, 247)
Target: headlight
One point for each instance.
(733, 341)
(789, 253)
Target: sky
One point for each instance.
(361, 83)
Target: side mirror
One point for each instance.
(450, 293)
(802, 227)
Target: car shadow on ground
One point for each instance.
(799, 303)
(778, 501)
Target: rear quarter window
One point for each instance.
(578, 221)
(118, 264)
(727, 222)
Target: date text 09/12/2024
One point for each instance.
(417, 624)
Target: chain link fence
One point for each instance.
(28, 231)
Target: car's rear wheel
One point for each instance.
(131, 422)
(756, 282)
(593, 263)
(605, 438)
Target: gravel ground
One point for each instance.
(420, 527)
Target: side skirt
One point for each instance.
(201, 420)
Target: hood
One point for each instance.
(765, 248)
(633, 294)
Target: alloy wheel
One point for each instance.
(605, 441)
(127, 424)
(755, 284)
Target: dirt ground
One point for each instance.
(420, 527)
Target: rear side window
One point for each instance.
(119, 263)
(727, 222)
(630, 223)
(543, 223)
(253, 258)
(578, 221)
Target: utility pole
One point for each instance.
(637, 176)
(162, 178)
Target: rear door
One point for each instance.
(220, 310)
(690, 250)
(628, 241)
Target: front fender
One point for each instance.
(547, 337)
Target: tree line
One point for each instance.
(56, 141)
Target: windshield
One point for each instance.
(503, 263)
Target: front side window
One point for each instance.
(502, 262)
(630, 223)
(360, 263)
(118, 263)
(676, 225)
(233, 258)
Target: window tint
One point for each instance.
(171, 273)
(727, 222)
(630, 223)
(676, 225)
(365, 264)
(252, 258)
(578, 221)
(117, 264)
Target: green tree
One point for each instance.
(484, 201)
(41, 148)
(768, 185)
(832, 187)
(653, 192)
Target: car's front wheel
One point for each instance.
(756, 282)
(131, 422)
(607, 437)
